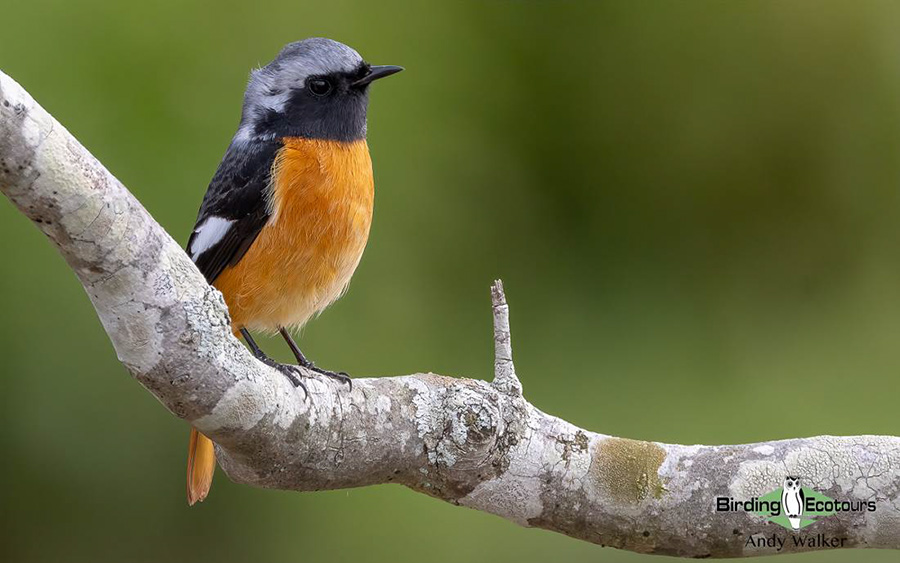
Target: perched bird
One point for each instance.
(286, 216)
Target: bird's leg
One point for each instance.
(301, 359)
(291, 372)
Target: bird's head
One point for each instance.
(316, 88)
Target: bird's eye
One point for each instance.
(319, 86)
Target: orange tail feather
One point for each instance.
(201, 467)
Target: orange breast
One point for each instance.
(302, 260)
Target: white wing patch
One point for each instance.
(208, 234)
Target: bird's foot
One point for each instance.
(292, 372)
(339, 376)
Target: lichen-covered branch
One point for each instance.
(472, 443)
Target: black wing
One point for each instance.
(234, 209)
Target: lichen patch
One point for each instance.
(628, 470)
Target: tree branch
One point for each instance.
(467, 442)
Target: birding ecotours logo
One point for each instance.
(792, 506)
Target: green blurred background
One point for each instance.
(694, 207)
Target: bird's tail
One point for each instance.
(201, 467)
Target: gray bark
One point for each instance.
(468, 442)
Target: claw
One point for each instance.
(340, 376)
(293, 373)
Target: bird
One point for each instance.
(286, 216)
(792, 499)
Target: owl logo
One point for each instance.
(792, 500)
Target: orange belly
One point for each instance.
(302, 260)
